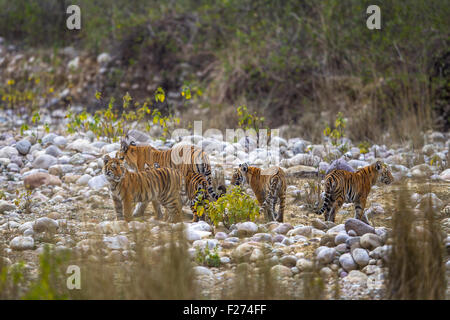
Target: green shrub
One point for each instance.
(233, 207)
(207, 258)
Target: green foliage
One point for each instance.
(23, 200)
(207, 258)
(338, 132)
(111, 123)
(364, 147)
(247, 120)
(233, 207)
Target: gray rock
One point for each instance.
(358, 226)
(6, 206)
(347, 263)
(339, 164)
(23, 146)
(288, 261)
(299, 147)
(370, 241)
(98, 182)
(60, 141)
(326, 255)
(8, 152)
(221, 236)
(22, 243)
(319, 224)
(340, 238)
(280, 271)
(361, 257)
(304, 264)
(283, 228)
(246, 228)
(202, 271)
(357, 164)
(304, 231)
(45, 224)
(44, 161)
(48, 138)
(84, 179)
(53, 151)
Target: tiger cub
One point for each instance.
(268, 185)
(162, 185)
(185, 158)
(196, 188)
(352, 187)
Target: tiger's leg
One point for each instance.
(157, 209)
(327, 203)
(127, 208)
(118, 207)
(359, 210)
(335, 208)
(140, 209)
(282, 205)
(173, 208)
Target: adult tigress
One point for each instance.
(269, 186)
(162, 185)
(352, 187)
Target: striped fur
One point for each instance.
(185, 158)
(269, 186)
(161, 186)
(196, 189)
(352, 187)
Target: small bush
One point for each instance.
(235, 206)
(207, 258)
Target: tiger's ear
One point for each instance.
(244, 167)
(124, 145)
(106, 159)
(378, 165)
(132, 143)
(156, 165)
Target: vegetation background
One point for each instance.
(297, 63)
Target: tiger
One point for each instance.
(268, 185)
(162, 185)
(185, 158)
(196, 189)
(352, 187)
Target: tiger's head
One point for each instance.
(240, 175)
(128, 151)
(113, 169)
(384, 172)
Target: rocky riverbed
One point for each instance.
(70, 208)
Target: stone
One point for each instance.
(319, 224)
(84, 179)
(303, 231)
(8, 152)
(339, 164)
(304, 264)
(221, 236)
(246, 228)
(45, 224)
(288, 260)
(280, 271)
(370, 241)
(358, 226)
(202, 271)
(243, 251)
(256, 255)
(358, 277)
(98, 182)
(360, 256)
(53, 151)
(283, 228)
(340, 238)
(23, 146)
(22, 243)
(445, 175)
(6, 206)
(326, 255)
(347, 263)
(38, 179)
(119, 242)
(328, 240)
(44, 161)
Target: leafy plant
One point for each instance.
(338, 132)
(234, 206)
(207, 258)
(364, 148)
(247, 120)
(23, 200)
